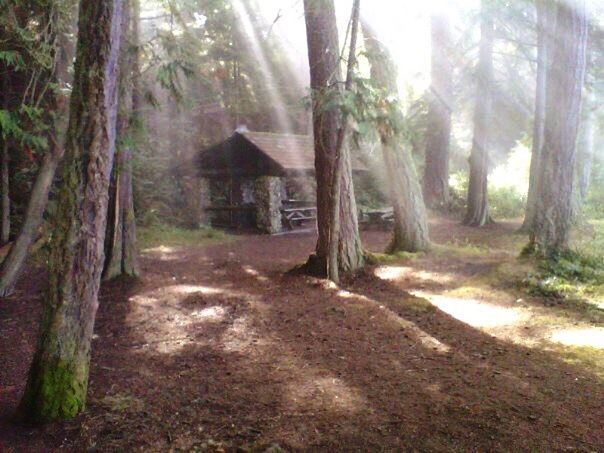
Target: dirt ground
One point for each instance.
(215, 348)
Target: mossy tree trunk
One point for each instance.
(410, 220)
(565, 79)
(478, 207)
(4, 169)
(545, 20)
(13, 264)
(325, 75)
(436, 173)
(121, 223)
(58, 378)
(5, 189)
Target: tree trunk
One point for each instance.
(478, 207)
(4, 170)
(5, 178)
(585, 151)
(323, 54)
(121, 226)
(410, 220)
(58, 378)
(130, 263)
(341, 155)
(13, 265)
(544, 30)
(565, 78)
(436, 174)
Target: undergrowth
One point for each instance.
(573, 277)
(167, 235)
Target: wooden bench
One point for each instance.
(380, 217)
(294, 217)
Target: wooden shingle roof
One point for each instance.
(291, 152)
(262, 153)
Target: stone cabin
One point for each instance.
(254, 180)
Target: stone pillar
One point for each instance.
(204, 200)
(268, 204)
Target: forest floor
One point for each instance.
(217, 349)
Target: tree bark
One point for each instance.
(121, 225)
(410, 220)
(323, 54)
(13, 264)
(436, 173)
(565, 78)
(545, 27)
(478, 207)
(585, 151)
(4, 171)
(58, 378)
(341, 154)
(5, 178)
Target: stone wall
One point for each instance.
(269, 193)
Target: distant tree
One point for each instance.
(61, 25)
(410, 220)
(325, 75)
(4, 172)
(58, 378)
(478, 207)
(545, 29)
(565, 79)
(585, 148)
(438, 136)
(121, 223)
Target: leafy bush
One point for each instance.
(567, 274)
(506, 202)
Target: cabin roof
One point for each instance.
(249, 153)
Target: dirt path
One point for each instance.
(216, 349)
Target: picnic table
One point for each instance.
(383, 216)
(296, 212)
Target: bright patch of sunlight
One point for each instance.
(216, 313)
(160, 249)
(593, 338)
(421, 336)
(192, 289)
(254, 273)
(239, 336)
(515, 172)
(473, 312)
(325, 392)
(398, 272)
(163, 253)
(391, 272)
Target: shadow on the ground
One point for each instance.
(218, 349)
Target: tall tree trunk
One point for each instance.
(565, 78)
(585, 150)
(478, 206)
(121, 226)
(5, 187)
(323, 54)
(436, 174)
(58, 378)
(4, 170)
(410, 220)
(545, 27)
(13, 264)
(341, 154)
(130, 263)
